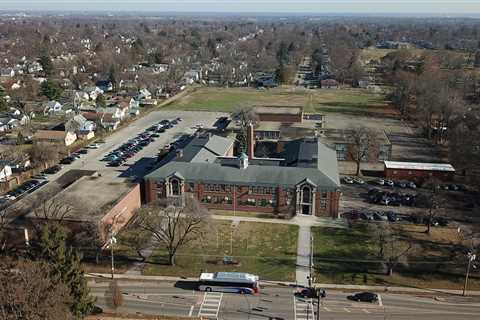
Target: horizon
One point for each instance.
(262, 7)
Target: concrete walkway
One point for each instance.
(299, 221)
(303, 256)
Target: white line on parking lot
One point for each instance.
(365, 310)
(346, 310)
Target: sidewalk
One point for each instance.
(92, 277)
(303, 256)
(306, 221)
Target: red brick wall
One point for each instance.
(241, 195)
(123, 210)
(417, 175)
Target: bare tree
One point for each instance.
(44, 153)
(430, 199)
(174, 226)
(363, 143)
(29, 292)
(392, 248)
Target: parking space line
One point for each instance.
(365, 310)
(347, 310)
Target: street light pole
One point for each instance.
(471, 257)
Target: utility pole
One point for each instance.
(311, 262)
(112, 241)
(471, 257)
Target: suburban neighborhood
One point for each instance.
(238, 166)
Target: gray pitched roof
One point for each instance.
(206, 149)
(252, 175)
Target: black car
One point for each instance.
(53, 169)
(310, 293)
(83, 151)
(364, 297)
(67, 160)
(115, 163)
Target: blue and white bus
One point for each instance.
(234, 282)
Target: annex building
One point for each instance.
(303, 179)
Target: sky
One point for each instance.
(414, 7)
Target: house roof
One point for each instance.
(291, 110)
(253, 174)
(206, 149)
(50, 135)
(446, 167)
(200, 162)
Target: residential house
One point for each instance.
(144, 94)
(7, 72)
(5, 170)
(65, 138)
(85, 129)
(104, 85)
(20, 164)
(52, 107)
(105, 120)
(93, 92)
(127, 84)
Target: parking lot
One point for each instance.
(137, 164)
(400, 201)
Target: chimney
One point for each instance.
(250, 141)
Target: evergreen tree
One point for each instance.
(3, 102)
(51, 90)
(65, 262)
(112, 77)
(46, 63)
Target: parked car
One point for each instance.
(402, 184)
(358, 180)
(389, 183)
(366, 216)
(453, 187)
(392, 216)
(380, 182)
(53, 169)
(67, 160)
(411, 185)
(364, 297)
(348, 180)
(379, 217)
(310, 293)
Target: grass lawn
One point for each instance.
(350, 256)
(230, 213)
(317, 100)
(268, 250)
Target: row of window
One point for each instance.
(229, 188)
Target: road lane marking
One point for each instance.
(191, 310)
(210, 305)
(380, 303)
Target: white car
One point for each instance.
(389, 183)
(358, 180)
(380, 182)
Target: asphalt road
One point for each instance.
(278, 302)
